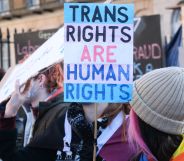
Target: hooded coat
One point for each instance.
(49, 142)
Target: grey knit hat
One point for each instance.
(158, 99)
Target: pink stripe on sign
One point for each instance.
(109, 33)
(98, 73)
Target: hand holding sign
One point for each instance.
(15, 102)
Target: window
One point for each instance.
(33, 3)
(4, 6)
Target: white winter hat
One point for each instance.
(158, 99)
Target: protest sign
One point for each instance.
(148, 45)
(48, 54)
(98, 61)
(27, 43)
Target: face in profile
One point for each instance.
(32, 88)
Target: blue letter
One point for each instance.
(121, 70)
(77, 91)
(112, 91)
(137, 70)
(69, 91)
(102, 92)
(97, 71)
(149, 67)
(111, 73)
(71, 72)
(124, 88)
(83, 69)
(88, 91)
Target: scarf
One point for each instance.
(179, 153)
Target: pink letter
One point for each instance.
(109, 54)
(156, 51)
(98, 51)
(85, 54)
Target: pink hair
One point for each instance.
(135, 139)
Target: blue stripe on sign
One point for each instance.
(73, 13)
(97, 92)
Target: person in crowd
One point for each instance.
(55, 131)
(2, 73)
(112, 140)
(112, 117)
(157, 116)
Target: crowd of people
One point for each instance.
(148, 128)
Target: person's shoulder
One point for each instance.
(58, 110)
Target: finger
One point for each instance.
(17, 86)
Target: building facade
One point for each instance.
(24, 16)
(34, 15)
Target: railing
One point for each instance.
(5, 59)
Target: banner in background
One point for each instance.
(27, 43)
(148, 47)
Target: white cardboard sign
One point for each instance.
(46, 55)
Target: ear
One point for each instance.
(42, 79)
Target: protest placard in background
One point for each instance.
(98, 61)
(27, 43)
(48, 54)
(148, 45)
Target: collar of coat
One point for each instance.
(53, 100)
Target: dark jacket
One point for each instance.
(48, 133)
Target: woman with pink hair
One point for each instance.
(156, 127)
